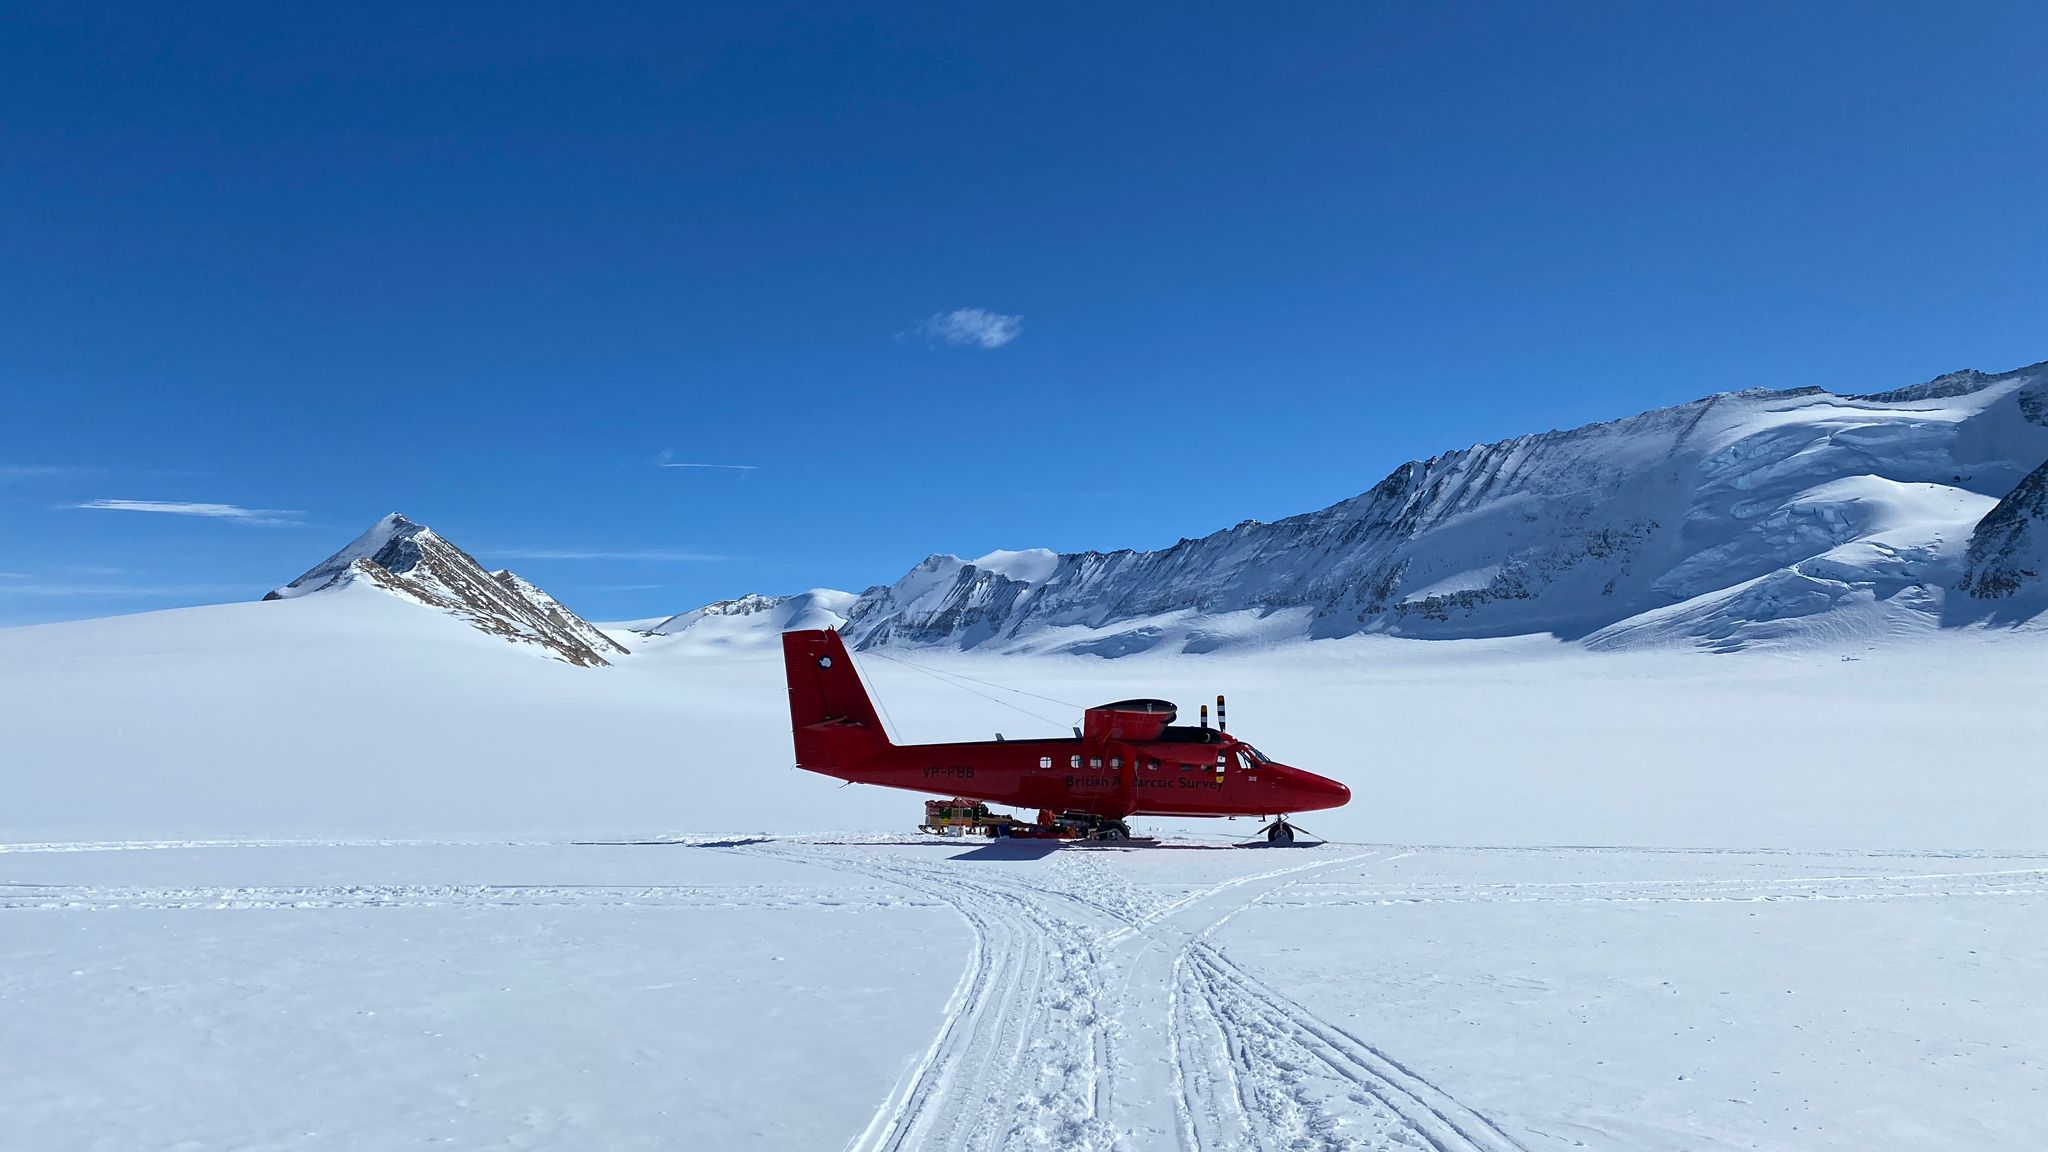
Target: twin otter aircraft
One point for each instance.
(1127, 759)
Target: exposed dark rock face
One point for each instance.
(2009, 550)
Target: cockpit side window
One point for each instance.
(1258, 757)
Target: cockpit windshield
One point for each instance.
(1256, 754)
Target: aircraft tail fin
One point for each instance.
(831, 717)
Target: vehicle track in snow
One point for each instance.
(1255, 1069)
(1095, 1013)
(1019, 1056)
(1100, 1012)
(1306, 1064)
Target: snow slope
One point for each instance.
(1743, 518)
(299, 875)
(752, 621)
(411, 562)
(355, 713)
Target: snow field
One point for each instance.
(785, 993)
(373, 997)
(1654, 1001)
(355, 715)
(299, 876)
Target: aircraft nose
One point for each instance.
(1325, 792)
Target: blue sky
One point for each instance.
(942, 278)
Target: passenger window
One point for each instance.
(1115, 762)
(1151, 765)
(1095, 761)
(1045, 761)
(1074, 762)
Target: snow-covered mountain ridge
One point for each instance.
(412, 562)
(1736, 519)
(753, 620)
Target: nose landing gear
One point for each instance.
(1281, 834)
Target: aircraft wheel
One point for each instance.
(1280, 833)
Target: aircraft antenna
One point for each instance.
(888, 720)
(1005, 688)
(941, 678)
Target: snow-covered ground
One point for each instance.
(304, 875)
(787, 993)
(373, 996)
(355, 713)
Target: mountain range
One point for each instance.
(1759, 517)
(1739, 519)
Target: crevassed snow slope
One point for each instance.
(1865, 503)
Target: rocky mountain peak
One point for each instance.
(411, 561)
(393, 543)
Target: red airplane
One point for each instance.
(1127, 758)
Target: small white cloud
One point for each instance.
(234, 512)
(971, 328)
